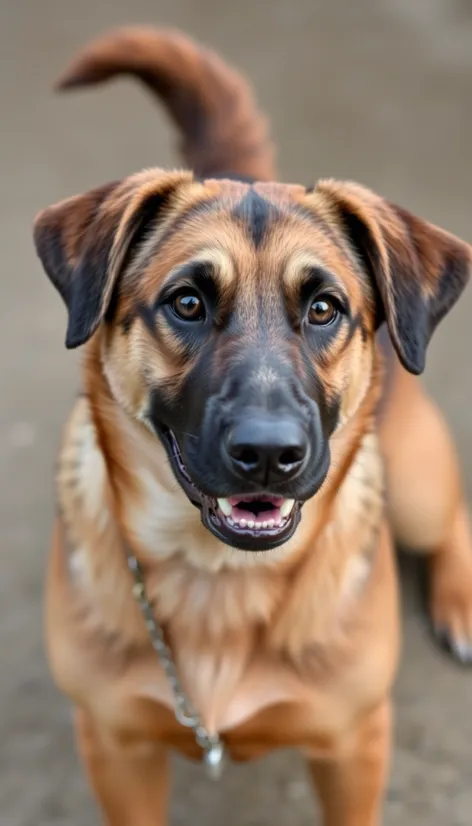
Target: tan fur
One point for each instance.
(293, 647)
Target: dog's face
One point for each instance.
(238, 322)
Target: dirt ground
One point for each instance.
(375, 90)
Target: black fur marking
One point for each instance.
(451, 281)
(200, 273)
(127, 323)
(411, 317)
(329, 411)
(316, 279)
(407, 319)
(48, 239)
(413, 322)
(147, 316)
(84, 286)
(139, 226)
(141, 222)
(354, 325)
(256, 212)
(53, 258)
(88, 282)
(361, 239)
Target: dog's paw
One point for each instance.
(451, 603)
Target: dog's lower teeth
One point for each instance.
(250, 524)
(286, 507)
(242, 523)
(264, 524)
(271, 523)
(230, 521)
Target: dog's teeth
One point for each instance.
(230, 521)
(242, 523)
(271, 523)
(250, 524)
(264, 524)
(225, 506)
(286, 507)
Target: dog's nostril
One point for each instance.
(247, 456)
(291, 456)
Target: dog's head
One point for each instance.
(239, 323)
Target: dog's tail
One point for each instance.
(211, 103)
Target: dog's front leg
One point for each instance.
(351, 784)
(130, 780)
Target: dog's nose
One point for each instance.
(267, 450)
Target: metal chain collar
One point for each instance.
(185, 713)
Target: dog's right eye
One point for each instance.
(188, 306)
(323, 312)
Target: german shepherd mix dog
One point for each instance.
(222, 577)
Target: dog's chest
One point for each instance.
(238, 678)
(226, 693)
(255, 707)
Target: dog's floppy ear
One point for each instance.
(86, 241)
(418, 270)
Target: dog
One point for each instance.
(250, 439)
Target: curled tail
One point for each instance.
(211, 104)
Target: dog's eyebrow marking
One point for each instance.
(211, 271)
(318, 275)
(305, 274)
(194, 269)
(256, 212)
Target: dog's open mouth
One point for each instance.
(255, 512)
(256, 522)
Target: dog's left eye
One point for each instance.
(323, 311)
(188, 306)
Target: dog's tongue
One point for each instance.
(258, 511)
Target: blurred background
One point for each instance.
(375, 90)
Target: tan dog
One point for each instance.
(225, 452)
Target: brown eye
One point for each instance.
(323, 311)
(189, 307)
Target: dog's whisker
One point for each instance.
(184, 433)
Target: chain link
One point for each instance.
(185, 713)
